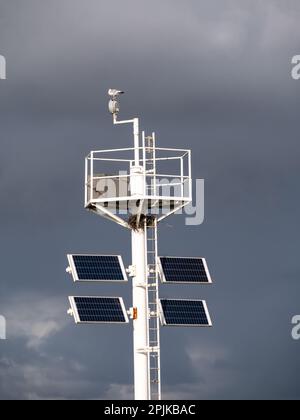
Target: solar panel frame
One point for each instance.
(166, 324)
(76, 277)
(165, 281)
(77, 316)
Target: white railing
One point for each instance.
(107, 175)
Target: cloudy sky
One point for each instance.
(211, 76)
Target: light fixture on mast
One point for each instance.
(113, 105)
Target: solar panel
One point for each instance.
(183, 270)
(181, 312)
(98, 310)
(96, 268)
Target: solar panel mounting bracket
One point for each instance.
(132, 313)
(70, 312)
(131, 270)
(146, 350)
(143, 285)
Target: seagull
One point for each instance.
(115, 92)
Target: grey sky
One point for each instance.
(212, 76)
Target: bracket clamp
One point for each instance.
(131, 271)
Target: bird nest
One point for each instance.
(141, 222)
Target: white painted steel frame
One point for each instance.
(139, 281)
(92, 157)
(102, 211)
(139, 197)
(142, 389)
(140, 302)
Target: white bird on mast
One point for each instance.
(115, 92)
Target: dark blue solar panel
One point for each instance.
(99, 309)
(184, 270)
(98, 268)
(184, 312)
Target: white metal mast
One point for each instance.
(141, 345)
(151, 197)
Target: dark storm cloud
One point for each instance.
(213, 76)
